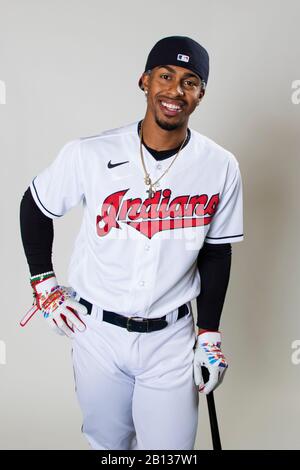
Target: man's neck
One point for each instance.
(159, 139)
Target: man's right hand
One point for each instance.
(58, 306)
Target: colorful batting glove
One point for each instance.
(57, 305)
(208, 354)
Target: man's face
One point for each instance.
(173, 94)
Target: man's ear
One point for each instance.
(145, 81)
(201, 94)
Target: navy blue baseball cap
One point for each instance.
(181, 51)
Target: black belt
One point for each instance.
(137, 324)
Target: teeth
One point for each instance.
(170, 106)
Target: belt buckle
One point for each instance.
(134, 318)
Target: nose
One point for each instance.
(175, 88)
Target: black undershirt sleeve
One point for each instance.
(214, 262)
(37, 235)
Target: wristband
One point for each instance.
(41, 277)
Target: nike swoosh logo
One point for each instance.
(112, 165)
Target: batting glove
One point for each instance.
(208, 354)
(57, 305)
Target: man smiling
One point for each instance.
(173, 91)
(162, 205)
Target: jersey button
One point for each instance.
(159, 167)
(142, 283)
(147, 247)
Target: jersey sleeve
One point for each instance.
(227, 223)
(59, 187)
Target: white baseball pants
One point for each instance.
(136, 390)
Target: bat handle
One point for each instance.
(215, 435)
(205, 374)
(212, 414)
(28, 315)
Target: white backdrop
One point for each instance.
(70, 68)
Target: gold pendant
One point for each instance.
(148, 180)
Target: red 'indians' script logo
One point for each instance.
(157, 213)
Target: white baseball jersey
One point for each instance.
(136, 255)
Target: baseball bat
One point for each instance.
(214, 428)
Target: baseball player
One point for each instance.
(162, 204)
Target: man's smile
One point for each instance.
(170, 107)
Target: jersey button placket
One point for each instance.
(143, 283)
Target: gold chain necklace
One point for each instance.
(152, 188)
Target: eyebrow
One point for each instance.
(188, 74)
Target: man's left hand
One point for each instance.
(208, 354)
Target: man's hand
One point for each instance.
(58, 306)
(208, 354)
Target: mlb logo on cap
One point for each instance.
(183, 58)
